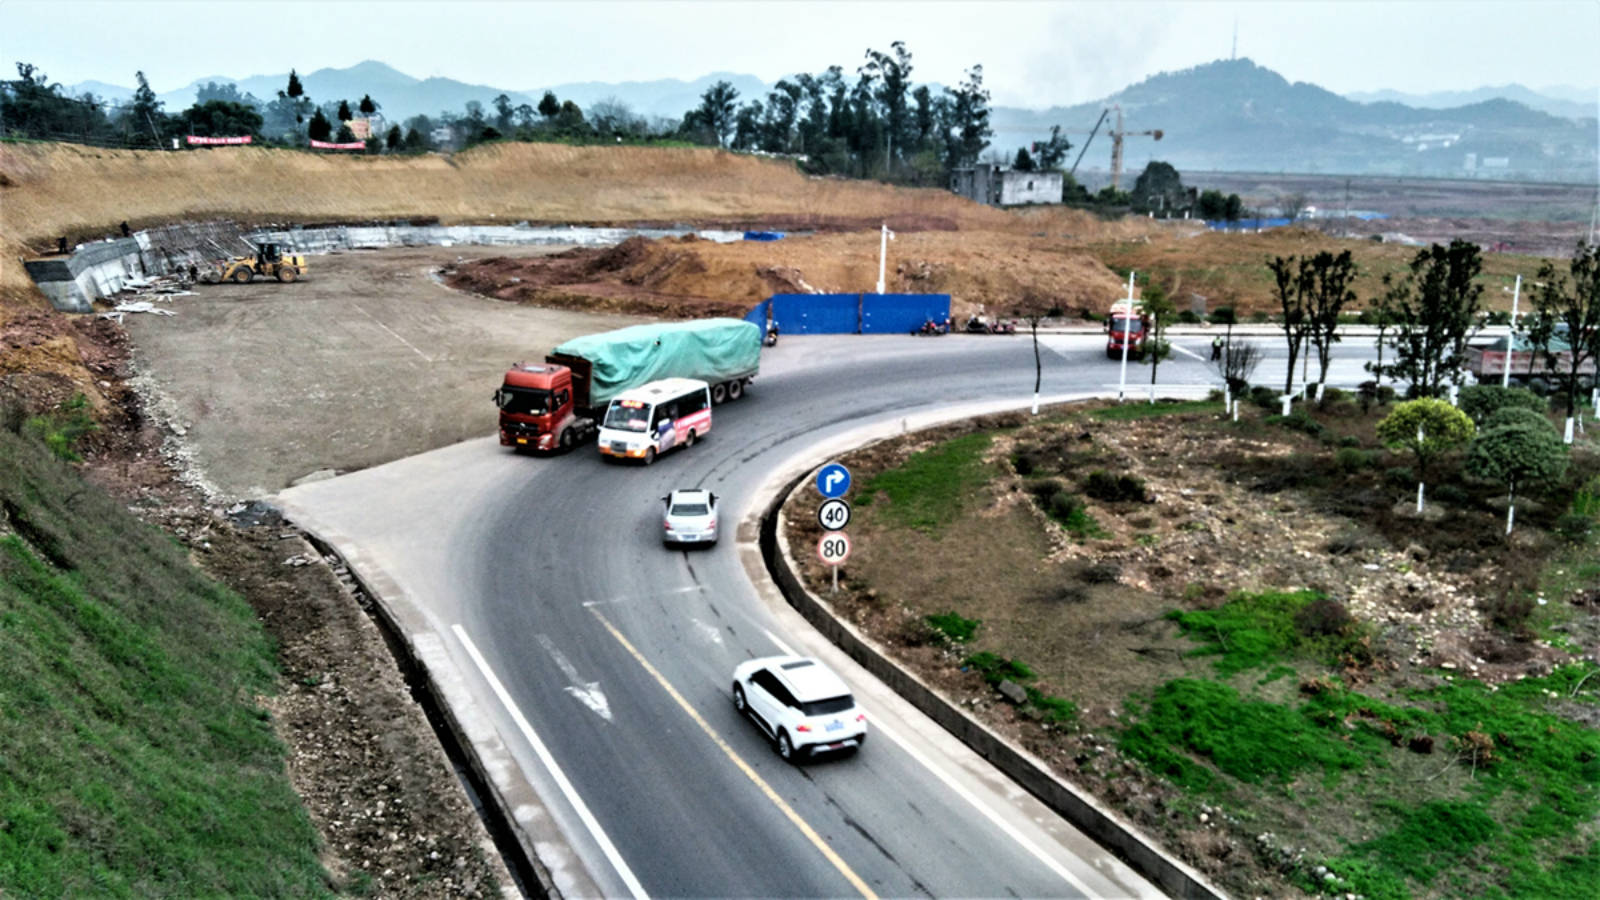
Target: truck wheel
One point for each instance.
(566, 440)
(735, 389)
(288, 274)
(243, 275)
(688, 439)
(719, 393)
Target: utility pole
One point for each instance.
(883, 252)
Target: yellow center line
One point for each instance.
(772, 795)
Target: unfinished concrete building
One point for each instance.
(1004, 186)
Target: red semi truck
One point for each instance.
(1126, 326)
(557, 404)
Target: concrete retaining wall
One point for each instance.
(98, 270)
(1083, 811)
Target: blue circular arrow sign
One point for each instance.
(833, 480)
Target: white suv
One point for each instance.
(690, 517)
(800, 704)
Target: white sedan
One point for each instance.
(690, 517)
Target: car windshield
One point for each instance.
(524, 401)
(829, 706)
(691, 509)
(627, 415)
(1122, 325)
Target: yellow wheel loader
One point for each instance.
(268, 261)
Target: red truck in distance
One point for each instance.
(1127, 326)
(558, 404)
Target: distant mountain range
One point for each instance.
(1565, 101)
(1229, 115)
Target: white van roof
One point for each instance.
(665, 389)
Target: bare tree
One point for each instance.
(1292, 205)
(1033, 307)
(1238, 363)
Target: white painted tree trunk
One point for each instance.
(1511, 511)
(1036, 403)
(1419, 498)
(1568, 438)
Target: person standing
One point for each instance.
(1216, 348)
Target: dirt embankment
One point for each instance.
(689, 277)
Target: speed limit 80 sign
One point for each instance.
(834, 548)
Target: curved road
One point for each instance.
(592, 666)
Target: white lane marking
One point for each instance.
(1187, 352)
(391, 332)
(587, 691)
(711, 633)
(991, 815)
(591, 604)
(787, 650)
(582, 809)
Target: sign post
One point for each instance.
(833, 481)
(833, 548)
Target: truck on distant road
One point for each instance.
(1127, 327)
(558, 404)
(1530, 364)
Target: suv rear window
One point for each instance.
(829, 706)
(691, 509)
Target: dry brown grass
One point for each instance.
(1231, 269)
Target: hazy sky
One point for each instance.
(1034, 53)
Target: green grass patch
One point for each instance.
(954, 628)
(61, 428)
(1254, 630)
(931, 488)
(1133, 410)
(1192, 730)
(135, 761)
(995, 668)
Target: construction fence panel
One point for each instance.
(850, 313)
(817, 313)
(904, 313)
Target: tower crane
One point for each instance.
(1117, 134)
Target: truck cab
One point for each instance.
(537, 408)
(1126, 327)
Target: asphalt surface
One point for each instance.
(594, 665)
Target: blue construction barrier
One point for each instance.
(763, 235)
(850, 313)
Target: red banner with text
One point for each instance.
(324, 145)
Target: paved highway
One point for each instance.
(592, 666)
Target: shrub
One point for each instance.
(1323, 617)
(1352, 459)
(1510, 611)
(1451, 493)
(1188, 317)
(61, 428)
(1264, 397)
(1400, 476)
(1481, 401)
(1023, 463)
(1442, 427)
(1043, 489)
(1349, 440)
(1063, 505)
(1104, 486)
(953, 626)
(1574, 527)
(1102, 573)
(1301, 422)
(1517, 416)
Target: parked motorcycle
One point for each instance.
(931, 328)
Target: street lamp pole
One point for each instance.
(1511, 334)
(883, 252)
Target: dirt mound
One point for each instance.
(982, 271)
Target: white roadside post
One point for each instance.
(883, 252)
(1122, 381)
(1455, 389)
(1419, 480)
(1287, 399)
(1511, 334)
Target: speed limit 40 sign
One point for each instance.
(833, 515)
(834, 548)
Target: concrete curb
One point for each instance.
(494, 807)
(1027, 770)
